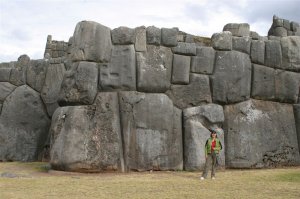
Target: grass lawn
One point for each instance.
(34, 180)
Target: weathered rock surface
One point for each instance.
(5, 89)
(88, 138)
(273, 55)
(291, 53)
(241, 44)
(181, 69)
(231, 81)
(152, 141)
(153, 35)
(169, 37)
(297, 120)
(238, 29)
(80, 84)
(18, 71)
(249, 124)
(197, 92)
(36, 74)
(140, 39)
(258, 52)
(51, 89)
(184, 48)
(222, 41)
(197, 121)
(91, 42)
(154, 69)
(5, 74)
(204, 61)
(24, 126)
(120, 73)
(123, 36)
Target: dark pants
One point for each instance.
(210, 163)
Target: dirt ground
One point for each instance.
(37, 180)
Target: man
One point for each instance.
(213, 147)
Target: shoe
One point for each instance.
(213, 178)
(201, 178)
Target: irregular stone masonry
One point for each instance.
(144, 98)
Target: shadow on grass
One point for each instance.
(289, 177)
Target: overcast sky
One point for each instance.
(25, 24)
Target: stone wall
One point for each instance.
(144, 98)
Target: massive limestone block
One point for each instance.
(88, 138)
(123, 36)
(297, 120)
(258, 52)
(291, 53)
(169, 36)
(231, 81)
(80, 84)
(5, 74)
(204, 61)
(241, 44)
(184, 48)
(91, 42)
(36, 74)
(152, 141)
(260, 134)
(24, 126)
(263, 83)
(51, 89)
(154, 69)
(273, 56)
(120, 73)
(222, 41)
(140, 39)
(181, 69)
(197, 92)
(153, 35)
(197, 121)
(18, 71)
(238, 29)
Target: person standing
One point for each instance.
(213, 147)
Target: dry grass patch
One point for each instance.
(32, 180)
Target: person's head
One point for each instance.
(213, 134)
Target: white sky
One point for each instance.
(25, 24)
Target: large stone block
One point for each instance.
(297, 120)
(204, 61)
(91, 42)
(184, 48)
(120, 73)
(197, 121)
(51, 89)
(279, 32)
(153, 35)
(123, 36)
(222, 41)
(88, 138)
(24, 126)
(5, 74)
(36, 74)
(258, 52)
(154, 69)
(263, 83)
(238, 29)
(152, 141)
(169, 36)
(140, 39)
(260, 134)
(231, 81)
(5, 89)
(181, 69)
(80, 84)
(291, 53)
(241, 44)
(18, 71)
(194, 94)
(273, 56)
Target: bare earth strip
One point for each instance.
(35, 180)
